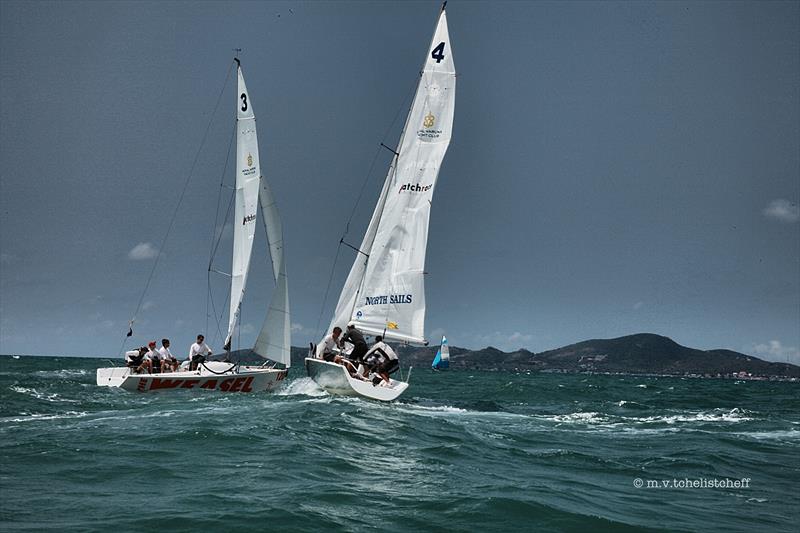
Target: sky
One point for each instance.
(615, 168)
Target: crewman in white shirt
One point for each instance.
(198, 352)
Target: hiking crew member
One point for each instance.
(382, 360)
(325, 349)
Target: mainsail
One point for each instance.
(384, 293)
(248, 175)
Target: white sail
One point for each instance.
(274, 339)
(349, 294)
(445, 349)
(385, 293)
(248, 174)
(442, 359)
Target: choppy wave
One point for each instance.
(457, 452)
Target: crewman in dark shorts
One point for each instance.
(356, 338)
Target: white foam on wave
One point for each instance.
(579, 418)
(49, 397)
(786, 434)
(38, 417)
(675, 421)
(434, 408)
(301, 386)
(63, 373)
(734, 415)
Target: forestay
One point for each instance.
(384, 292)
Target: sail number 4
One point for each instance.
(438, 52)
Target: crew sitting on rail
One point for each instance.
(326, 349)
(153, 358)
(382, 360)
(168, 361)
(134, 359)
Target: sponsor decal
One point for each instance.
(359, 314)
(388, 299)
(249, 160)
(429, 120)
(392, 325)
(248, 218)
(234, 384)
(410, 187)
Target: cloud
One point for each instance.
(776, 351)
(503, 340)
(301, 331)
(637, 306)
(247, 328)
(143, 250)
(519, 338)
(783, 211)
(436, 335)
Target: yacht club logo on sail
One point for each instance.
(249, 169)
(427, 124)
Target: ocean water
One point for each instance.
(461, 451)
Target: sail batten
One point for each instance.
(384, 292)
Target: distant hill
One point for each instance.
(643, 353)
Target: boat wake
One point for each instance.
(302, 387)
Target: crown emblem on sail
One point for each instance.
(429, 119)
(392, 325)
(249, 160)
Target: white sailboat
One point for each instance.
(384, 293)
(273, 341)
(442, 359)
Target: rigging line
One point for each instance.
(214, 236)
(212, 253)
(219, 237)
(375, 158)
(360, 194)
(214, 314)
(180, 198)
(328, 288)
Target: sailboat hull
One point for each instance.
(213, 376)
(335, 380)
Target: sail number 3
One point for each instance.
(244, 101)
(438, 52)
